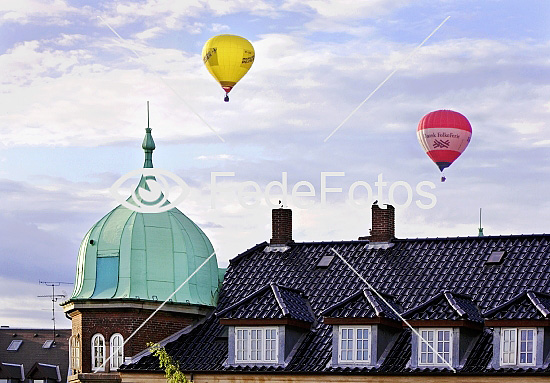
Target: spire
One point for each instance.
(148, 144)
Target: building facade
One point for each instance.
(478, 310)
(129, 263)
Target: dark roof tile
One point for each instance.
(412, 271)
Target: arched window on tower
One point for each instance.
(116, 351)
(75, 353)
(98, 353)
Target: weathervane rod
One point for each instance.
(147, 114)
(480, 217)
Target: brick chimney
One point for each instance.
(383, 224)
(281, 221)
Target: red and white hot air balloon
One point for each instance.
(444, 135)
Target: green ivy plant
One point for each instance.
(171, 368)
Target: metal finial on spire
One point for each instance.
(148, 144)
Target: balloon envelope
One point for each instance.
(444, 135)
(228, 58)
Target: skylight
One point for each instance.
(324, 262)
(495, 257)
(14, 345)
(47, 344)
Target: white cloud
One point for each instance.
(67, 40)
(174, 15)
(149, 33)
(21, 308)
(217, 28)
(41, 12)
(219, 157)
(347, 9)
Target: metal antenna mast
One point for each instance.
(54, 297)
(480, 230)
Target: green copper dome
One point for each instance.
(146, 256)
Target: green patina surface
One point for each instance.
(132, 255)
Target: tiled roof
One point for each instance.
(446, 306)
(413, 270)
(31, 350)
(271, 302)
(527, 305)
(364, 304)
(12, 371)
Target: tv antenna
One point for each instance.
(54, 297)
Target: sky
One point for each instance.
(73, 111)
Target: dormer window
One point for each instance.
(354, 344)
(440, 352)
(518, 346)
(256, 344)
(265, 326)
(447, 326)
(364, 327)
(525, 346)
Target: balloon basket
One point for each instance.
(226, 98)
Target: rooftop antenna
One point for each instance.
(480, 230)
(54, 297)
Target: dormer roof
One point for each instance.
(365, 304)
(447, 306)
(529, 305)
(271, 302)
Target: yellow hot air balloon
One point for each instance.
(228, 58)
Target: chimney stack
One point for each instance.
(281, 221)
(383, 224)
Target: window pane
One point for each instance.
(526, 346)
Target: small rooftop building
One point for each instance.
(34, 355)
(130, 262)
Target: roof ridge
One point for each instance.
(375, 305)
(454, 304)
(537, 303)
(247, 252)
(278, 298)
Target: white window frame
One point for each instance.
(435, 345)
(14, 345)
(354, 340)
(116, 361)
(516, 352)
(244, 346)
(95, 349)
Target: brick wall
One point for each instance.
(281, 222)
(383, 224)
(107, 322)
